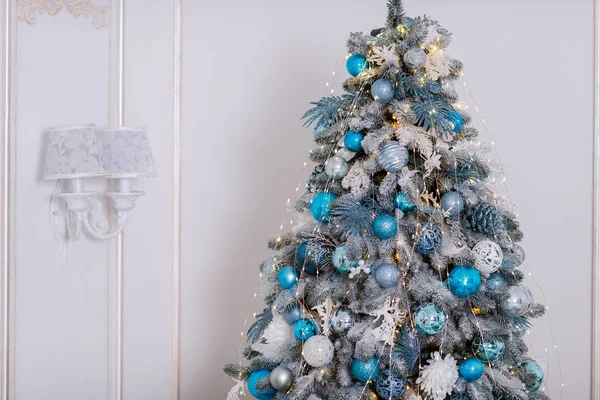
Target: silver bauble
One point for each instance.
(282, 379)
(415, 58)
(336, 167)
(392, 157)
(487, 256)
(342, 320)
(345, 153)
(318, 351)
(520, 253)
(517, 302)
(314, 396)
(447, 84)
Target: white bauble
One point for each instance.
(488, 256)
(318, 351)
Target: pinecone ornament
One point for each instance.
(485, 218)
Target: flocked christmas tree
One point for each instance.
(401, 278)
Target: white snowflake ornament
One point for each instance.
(383, 54)
(389, 316)
(437, 65)
(325, 311)
(361, 268)
(236, 391)
(439, 376)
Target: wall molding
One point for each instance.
(77, 8)
(5, 178)
(596, 213)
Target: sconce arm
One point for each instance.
(92, 229)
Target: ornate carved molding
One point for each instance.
(78, 8)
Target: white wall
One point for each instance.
(249, 70)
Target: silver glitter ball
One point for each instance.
(342, 320)
(415, 58)
(517, 302)
(282, 379)
(314, 396)
(336, 167)
(392, 157)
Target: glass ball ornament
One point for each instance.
(389, 387)
(464, 281)
(513, 258)
(452, 203)
(353, 141)
(318, 351)
(287, 276)
(342, 320)
(319, 206)
(336, 167)
(487, 256)
(428, 238)
(517, 302)
(282, 378)
(356, 64)
(385, 227)
(340, 260)
(471, 369)
(415, 58)
(305, 261)
(365, 371)
(430, 319)
(496, 282)
(387, 275)
(407, 21)
(392, 156)
(456, 121)
(256, 376)
(305, 328)
(402, 203)
(293, 314)
(488, 350)
(383, 90)
(534, 368)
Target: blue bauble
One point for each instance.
(460, 397)
(430, 319)
(496, 282)
(385, 227)
(305, 329)
(392, 156)
(534, 368)
(455, 120)
(305, 261)
(365, 371)
(471, 369)
(319, 207)
(464, 281)
(287, 276)
(253, 380)
(293, 314)
(356, 64)
(488, 350)
(453, 203)
(429, 238)
(340, 260)
(352, 141)
(407, 21)
(383, 90)
(401, 203)
(389, 387)
(387, 275)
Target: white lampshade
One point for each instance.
(73, 152)
(127, 153)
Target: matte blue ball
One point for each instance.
(356, 64)
(340, 260)
(408, 21)
(453, 203)
(385, 227)
(464, 281)
(305, 329)
(383, 90)
(253, 380)
(429, 238)
(389, 386)
(319, 207)
(402, 203)
(365, 371)
(534, 368)
(392, 156)
(353, 141)
(305, 261)
(287, 276)
(496, 282)
(387, 275)
(293, 314)
(430, 319)
(455, 120)
(488, 350)
(471, 369)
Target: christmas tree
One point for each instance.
(401, 278)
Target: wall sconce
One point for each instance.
(77, 152)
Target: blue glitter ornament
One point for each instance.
(471, 369)
(340, 260)
(293, 314)
(390, 387)
(533, 368)
(387, 275)
(305, 261)
(305, 329)
(253, 380)
(428, 238)
(401, 203)
(365, 371)
(352, 141)
(383, 90)
(385, 227)
(287, 277)
(430, 319)
(452, 203)
(356, 64)
(496, 282)
(488, 350)
(455, 120)
(392, 157)
(319, 206)
(464, 281)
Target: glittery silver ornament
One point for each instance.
(387, 275)
(336, 167)
(282, 378)
(517, 302)
(314, 396)
(342, 320)
(392, 157)
(447, 84)
(345, 153)
(488, 256)
(318, 351)
(453, 203)
(415, 58)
